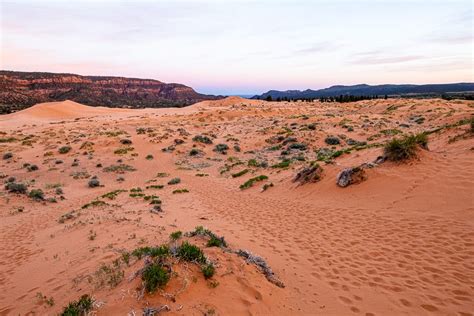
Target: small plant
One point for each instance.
(194, 152)
(192, 253)
(285, 163)
(36, 194)
(31, 168)
(176, 235)
(249, 183)
(399, 149)
(155, 276)
(79, 307)
(123, 151)
(149, 157)
(180, 191)
(15, 187)
(7, 156)
(64, 149)
(221, 148)
(125, 141)
(202, 139)
(332, 140)
(112, 195)
(240, 173)
(174, 181)
(267, 186)
(95, 203)
(162, 175)
(119, 168)
(208, 270)
(93, 183)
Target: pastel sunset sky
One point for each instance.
(243, 47)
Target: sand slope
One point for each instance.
(400, 243)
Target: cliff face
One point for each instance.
(22, 89)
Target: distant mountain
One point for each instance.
(22, 89)
(364, 89)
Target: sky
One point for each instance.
(243, 47)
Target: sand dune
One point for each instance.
(399, 243)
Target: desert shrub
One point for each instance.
(31, 168)
(113, 194)
(237, 148)
(123, 150)
(282, 164)
(399, 149)
(78, 308)
(149, 157)
(202, 139)
(119, 168)
(192, 253)
(472, 124)
(174, 181)
(176, 235)
(14, 187)
(155, 276)
(93, 183)
(155, 186)
(7, 156)
(251, 181)
(36, 194)
(126, 141)
(7, 140)
(216, 241)
(95, 203)
(221, 148)
(297, 146)
(64, 149)
(267, 186)
(208, 270)
(194, 152)
(332, 140)
(240, 173)
(162, 175)
(180, 191)
(160, 251)
(110, 275)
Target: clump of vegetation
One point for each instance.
(180, 191)
(221, 148)
(36, 194)
(7, 156)
(191, 253)
(174, 181)
(285, 163)
(259, 164)
(15, 187)
(208, 270)
(155, 276)
(202, 139)
(267, 186)
(119, 168)
(161, 251)
(149, 157)
(123, 150)
(126, 141)
(155, 186)
(399, 149)
(202, 175)
(250, 182)
(79, 307)
(31, 168)
(332, 140)
(64, 149)
(162, 175)
(95, 203)
(176, 235)
(240, 173)
(297, 146)
(194, 152)
(113, 194)
(93, 183)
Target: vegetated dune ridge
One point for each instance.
(399, 243)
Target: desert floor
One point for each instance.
(399, 243)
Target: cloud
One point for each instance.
(452, 39)
(317, 47)
(378, 57)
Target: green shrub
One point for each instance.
(192, 253)
(221, 148)
(399, 149)
(64, 149)
(155, 276)
(180, 191)
(176, 235)
(78, 308)
(240, 173)
(332, 140)
(161, 251)
(282, 164)
(208, 270)
(14, 187)
(194, 152)
(36, 194)
(216, 242)
(7, 156)
(149, 157)
(174, 181)
(202, 139)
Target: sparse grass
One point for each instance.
(155, 186)
(202, 175)
(95, 203)
(119, 168)
(250, 182)
(113, 194)
(123, 150)
(176, 235)
(399, 149)
(15, 187)
(240, 173)
(282, 164)
(110, 275)
(162, 175)
(7, 140)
